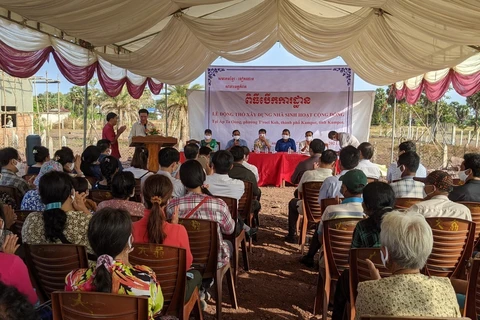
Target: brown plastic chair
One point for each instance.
(138, 190)
(50, 263)
(370, 180)
(475, 210)
(168, 263)
(329, 202)
(100, 195)
(312, 210)
(135, 218)
(18, 225)
(337, 240)
(405, 203)
(359, 271)
(237, 241)
(472, 300)
(452, 247)
(245, 208)
(92, 180)
(409, 318)
(29, 177)
(14, 193)
(95, 305)
(204, 244)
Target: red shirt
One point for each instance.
(14, 273)
(176, 235)
(109, 133)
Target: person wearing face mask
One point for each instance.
(105, 147)
(262, 144)
(168, 159)
(11, 164)
(90, 162)
(286, 143)
(406, 187)
(209, 142)
(236, 141)
(305, 144)
(110, 235)
(315, 150)
(403, 147)
(407, 241)
(470, 175)
(123, 188)
(71, 163)
(438, 185)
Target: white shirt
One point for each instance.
(421, 172)
(138, 129)
(252, 168)
(224, 186)
(370, 169)
(178, 187)
(319, 174)
(138, 173)
(346, 139)
(331, 187)
(440, 206)
(304, 144)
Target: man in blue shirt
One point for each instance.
(236, 141)
(286, 142)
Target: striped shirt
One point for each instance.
(10, 179)
(349, 208)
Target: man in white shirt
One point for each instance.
(344, 139)
(142, 127)
(305, 144)
(219, 183)
(407, 187)
(403, 147)
(370, 169)
(319, 172)
(438, 185)
(249, 166)
(169, 159)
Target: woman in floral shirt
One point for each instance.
(110, 235)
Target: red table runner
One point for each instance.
(275, 167)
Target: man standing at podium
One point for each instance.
(108, 132)
(142, 127)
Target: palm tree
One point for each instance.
(77, 95)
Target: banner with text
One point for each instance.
(317, 99)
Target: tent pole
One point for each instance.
(85, 109)
(393, 128)
(166, 110)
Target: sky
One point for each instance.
(276, 56)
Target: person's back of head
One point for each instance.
(192, 174)
(191, 151)
(8, 154)
(222, 161)
(438, 182)
(378, 199)
(237, 153)
(157, 191)
(80, 184)
(349, 157)
(104, 145)
(328, 157)
(354, 181)
(332, 135)
(246, 151)
(410, 161)
(407, 146)
(472, 162)
(64, 155)
(123, 185)
(317, 146)
(108, 167)
(109, 234)
(204, 151)
(366, 150)
(167, 156)
(40, 154)
(55, 188)
(90, 155)
(140, 158)
(15, 305)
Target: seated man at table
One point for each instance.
(286, 143)
(470, 175)
(262, 144)
(315, 150)
(305, 144)
(344, 139)
(322, 170)
(406, 187)
(236, 141)
(249, 166)
(370, 169)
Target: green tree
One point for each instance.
(379, 106)
(461, 113)
(474, 103)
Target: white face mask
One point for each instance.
(208, 137)
(71, 166)
(130, 244)
(109, 152)
(262, 134)
(384, 257)
(397, 175)
(73, 195)
(285, 136)
(18, 165)
(462, 175)
(309, 138)
(236, 137)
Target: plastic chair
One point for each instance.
(135, 218)
(405, 203)
(236, 240)
(245, 208)
(475, 210)
(81, 305)
(370, 180)
(138, 190)
(168, 263)
(409, 318)
(50, 263)
(337, 240)
(452, 247)
(29, 177)
(472, 301)
(18, 225)
(14, 193)
(100, 195)
(312, 210)
(204, 244)
(359, 271)
(92, 180)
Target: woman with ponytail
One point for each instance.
(110, 235)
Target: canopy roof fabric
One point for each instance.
(174, 41)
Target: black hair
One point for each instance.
(14, 305)
(208, 131)
(167, 156)
(108, 167)
(246, 151)
(308, 133)
(286, 131)
(204, 151)
(157, 186)
(262, 130)
(123, 185)
(64, 155)
(91, 154)
(237, 153)
(192, 174)
(366, 149)
(328, 156)
(317, 146)
(108, 233)
(40, 154)
(191, 151)
(3, 217)
(143, 111)
(233, 132)
(407, 146)
(140, 158)
(103, 145)
(472, 162)
(111, 115)
(331, 134)
(55, 186)
(80, 184)
(378, 198)
(222, 161)
(7, 154)
(410, 160)
(349, 157)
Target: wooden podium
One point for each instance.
(153, 144)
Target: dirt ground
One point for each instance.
(277, 286)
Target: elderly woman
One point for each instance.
(407, 242)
